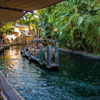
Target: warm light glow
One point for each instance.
(11, 37)
(24, 11)
(14, 64)
(56, 29)
(17, 30)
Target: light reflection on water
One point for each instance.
(77, 78)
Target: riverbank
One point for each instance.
(80, 53)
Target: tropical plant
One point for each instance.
(78, 23)
(7, 28)
(31, 20)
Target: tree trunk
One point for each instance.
(30, 31)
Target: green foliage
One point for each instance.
(27, 19)
(7, 28)
(31, 20)
(78, 23)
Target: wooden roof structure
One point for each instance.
(1, 24)
(11, 10)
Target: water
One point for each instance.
(77, 79)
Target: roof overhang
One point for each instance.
(11, 10)
(28, 4)
(1, 24)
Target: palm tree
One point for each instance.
(31, 21)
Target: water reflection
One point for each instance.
(77, 78)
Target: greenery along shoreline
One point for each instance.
(78, 23)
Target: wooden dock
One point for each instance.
(7, 91)
(47, 57)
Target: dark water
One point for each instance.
(77, 79)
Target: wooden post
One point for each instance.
(0, 90)
(24, 50)
(49, 54)
(35, 53)
(41, 54)
(29, 56)
(57, 54)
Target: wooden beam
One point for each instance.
(15, 9)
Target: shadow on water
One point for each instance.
(77, 79)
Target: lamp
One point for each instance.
(56, 29)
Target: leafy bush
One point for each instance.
(78, 23)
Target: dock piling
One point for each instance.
(49, 55)
(29, 56)
(35, 53)
(57, 54)
(48, 58)
(41, 54)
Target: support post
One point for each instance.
(57, 54)
(55, 38)
(29, 56)
(49, 55)
(41, 54)
(35, 53)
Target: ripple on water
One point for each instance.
(77, 79)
